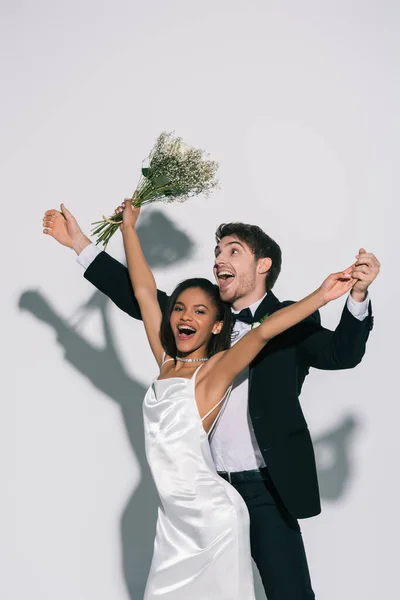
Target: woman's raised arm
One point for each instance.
(142, 279)
(237, 358)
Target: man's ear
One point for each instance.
(264, 265)
(218, 327)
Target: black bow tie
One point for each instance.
(245, 316)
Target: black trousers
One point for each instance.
(276, 542)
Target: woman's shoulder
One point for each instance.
(166, 359)
(210, 366)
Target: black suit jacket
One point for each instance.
(276, 378)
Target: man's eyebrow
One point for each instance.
(218, 249)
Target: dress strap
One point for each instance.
(165, 361)
(216, 405)
(224, 398)
(195, 373)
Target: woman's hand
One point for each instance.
(130, 215)
(337, 284)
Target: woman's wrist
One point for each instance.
(320, 298)
(128, 229)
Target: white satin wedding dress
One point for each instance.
(202, 545)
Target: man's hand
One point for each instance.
(64, 228)
(365, 271)
(130, 215)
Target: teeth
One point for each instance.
(186, 328)
(225, 274)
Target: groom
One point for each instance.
(261, 443)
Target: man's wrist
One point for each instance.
(80, 243)
(88, 255)
(358, 296)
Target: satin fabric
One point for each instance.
(202, 544)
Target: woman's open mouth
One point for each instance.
(185, 332)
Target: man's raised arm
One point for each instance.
(104, 272)
(344, 347)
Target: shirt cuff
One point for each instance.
(87, 256)
(359, 310)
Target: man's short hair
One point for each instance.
(259, 243)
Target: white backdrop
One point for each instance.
(299, 103)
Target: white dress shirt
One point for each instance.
(233, 443)
(88, 254)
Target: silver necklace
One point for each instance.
(190, 360)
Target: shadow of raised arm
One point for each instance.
(333, 452)
(104, 369)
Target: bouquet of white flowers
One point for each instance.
(173, 172)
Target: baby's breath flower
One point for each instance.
(173, 172)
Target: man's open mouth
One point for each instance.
(185, 332)
(225, 277)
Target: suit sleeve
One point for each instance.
(343, 348)
(112, 278)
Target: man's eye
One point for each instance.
(233, 250)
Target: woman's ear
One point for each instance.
(218, 327)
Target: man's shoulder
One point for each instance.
(284, 303)
(314, 317)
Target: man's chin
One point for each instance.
(227, 295)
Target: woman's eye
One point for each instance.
(200, 312)
(233, 250)
(177, 308)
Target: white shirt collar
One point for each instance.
(253, 307)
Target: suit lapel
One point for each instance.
(267, 306)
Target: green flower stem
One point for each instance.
(144, 195)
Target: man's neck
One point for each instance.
(248, 300)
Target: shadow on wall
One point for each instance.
(333, 452)
(164, 245)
